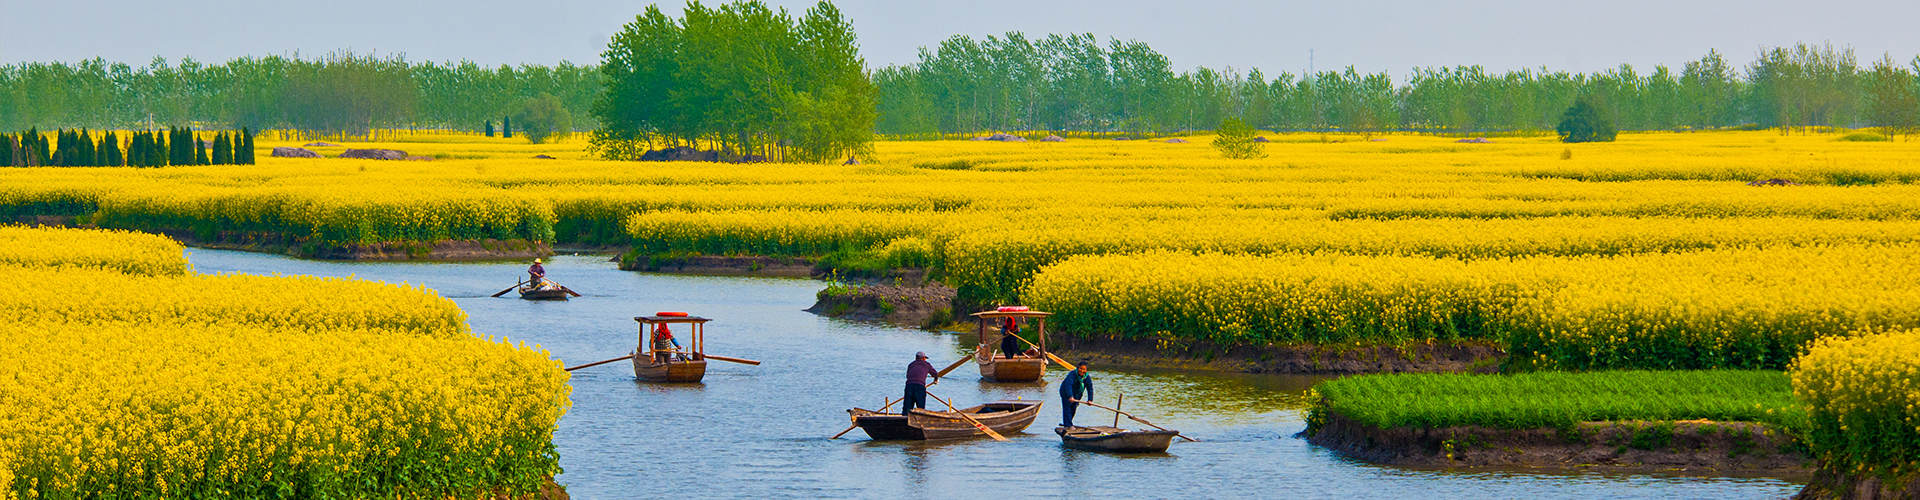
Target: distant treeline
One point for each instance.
(78, 148)
(1073, 82)
(339, 93)
(962, 86)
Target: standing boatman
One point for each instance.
(917, 373)
(536, 273)
(1070, 390)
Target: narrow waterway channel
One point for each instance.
(761, 431)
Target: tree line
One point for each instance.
(744, 80)
(338, 93)
(146, 148)
(1074, 82)
(754, 82)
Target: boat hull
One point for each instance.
(1012, 369)
(552, 294)
(1004, 417)
(676, 372)
(1115, 440)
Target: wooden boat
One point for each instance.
(539, 292)
(1004, 417)
(1115, 440)
(686, 365)
(1020, 367)
(543, 294)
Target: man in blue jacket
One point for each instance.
(1070, 392)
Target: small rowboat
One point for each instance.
(545, 290)
(543, 294)
(1004, 417)
(1115, 440)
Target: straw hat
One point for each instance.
(536, 260)
(920, 355)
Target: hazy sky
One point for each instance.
(1386, 35)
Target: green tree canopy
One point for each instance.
(742, 79)
(1585, 122)
(544, 117)
(1235, 140)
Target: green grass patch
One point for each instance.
(1561, 400)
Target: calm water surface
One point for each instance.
(761, 431)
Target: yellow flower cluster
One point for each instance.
(1863, 396)
(158, 385)
(1729, 308)
(122, 251)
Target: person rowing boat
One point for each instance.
(917, 373)
(1070, 392)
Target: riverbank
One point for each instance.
(280, 243)
(1302, 359)
(1693, 446)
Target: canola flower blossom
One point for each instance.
(147, 381)
(1863, 397)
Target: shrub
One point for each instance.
(1584, 122)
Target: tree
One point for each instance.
(245, 155)
(1585, 122)
(489, 128)
(1891, 100)
(506, 127)
(199, 150)
(222, 150)
(110, 151)
(743, 79)
(544, 117)
(1235, 140)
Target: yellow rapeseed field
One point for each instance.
(1725, 308)
(1863, 397)
(140, 379)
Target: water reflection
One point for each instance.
(761, 431)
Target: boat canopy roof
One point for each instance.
(1011, 314)
(670, 319)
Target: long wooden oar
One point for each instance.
(729, 360)
(509, 289)
(598, 363)
(969, 418)
(1056, 359)
(1133, 418)
(856, 420)
(569, 291)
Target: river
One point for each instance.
(761, 431)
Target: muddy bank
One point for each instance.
(1287, 359)
(549, 490)
(927, 305)
(1830, 485)
(720, 265)
(1690, 446)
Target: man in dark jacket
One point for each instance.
(1070, 392)
(1009, 344)
(917, 373)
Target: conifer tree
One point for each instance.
(506, 127)
(199, 150)
(222, 152)
(136, 150)
(89, 154)
(162, 154)
(110, 151)
(489, 128)
(6, 150)
(245, 155)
